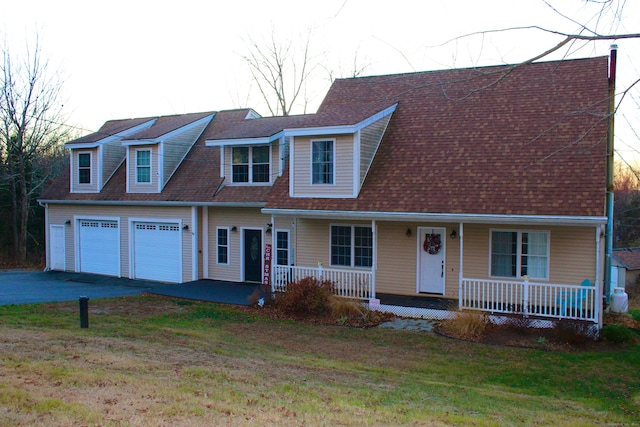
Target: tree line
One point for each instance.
(32, 134)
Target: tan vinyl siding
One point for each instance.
(152, 187)
(59, 214)
(572, 255)
(228, 166)
(370, 138)
(175, 149)
(313, 241)
(230, 217)
(286, 223)
(92, 187)
(343, 168)
(398, 259)
(112, 156)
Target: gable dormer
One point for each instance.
(332, 162)
(154, 154)
(94, 158)
(252, 160)
(249, 162)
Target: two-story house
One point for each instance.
(484, 185)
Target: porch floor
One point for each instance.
(418, 301)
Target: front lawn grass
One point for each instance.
(157, 361)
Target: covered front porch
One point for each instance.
(415, 258)
(515, 297)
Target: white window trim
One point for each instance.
(333, 172)
(228, 230)
(284, 230)
(250, 165)
(353, 242)
(90, 169)
(137, 150)
(519, 252)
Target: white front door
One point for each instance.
(431, 260)
(56, 247)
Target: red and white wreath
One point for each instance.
(432, 243)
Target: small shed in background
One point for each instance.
(627, 263)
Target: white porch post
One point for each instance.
(205, 242)
(374, 257)
(461, 275)
(194, 243)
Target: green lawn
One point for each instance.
(155, 361)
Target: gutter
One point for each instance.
(443, 217)
(152, 203)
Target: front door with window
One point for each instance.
(253, 256)
(431, 260)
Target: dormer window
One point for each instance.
(84, 168)
(251, 164)
(322, 162)
(143, 166)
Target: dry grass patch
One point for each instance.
(466, 324)
(198, 364)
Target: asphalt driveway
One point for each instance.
(29, 287)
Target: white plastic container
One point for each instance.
(619, 301)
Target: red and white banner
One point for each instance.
(266, 277)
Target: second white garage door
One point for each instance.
(157, 251)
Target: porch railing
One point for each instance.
(530, 298)
(347, 283)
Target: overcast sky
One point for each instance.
(122, 59)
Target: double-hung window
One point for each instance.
(322, 162)
(351, 246)
(519, 254)
(143, 166)
(282, 248)
(84, 168)
(222, 245)
(250, 164)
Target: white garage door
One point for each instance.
(99, 250)
(157, 253)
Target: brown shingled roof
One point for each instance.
(197, 179)
(166, 124)
(527, 140)
(111, 128)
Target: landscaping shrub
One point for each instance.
(467, 324)
(343, 308)
(617, 334)
(308, 296)
(573, 332)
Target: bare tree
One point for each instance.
(30, 130)
(281, 71)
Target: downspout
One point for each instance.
(608, 243)
(598, 303)
(47, 231)
(461, 273)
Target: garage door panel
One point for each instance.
(157, 253)
(99, 251)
